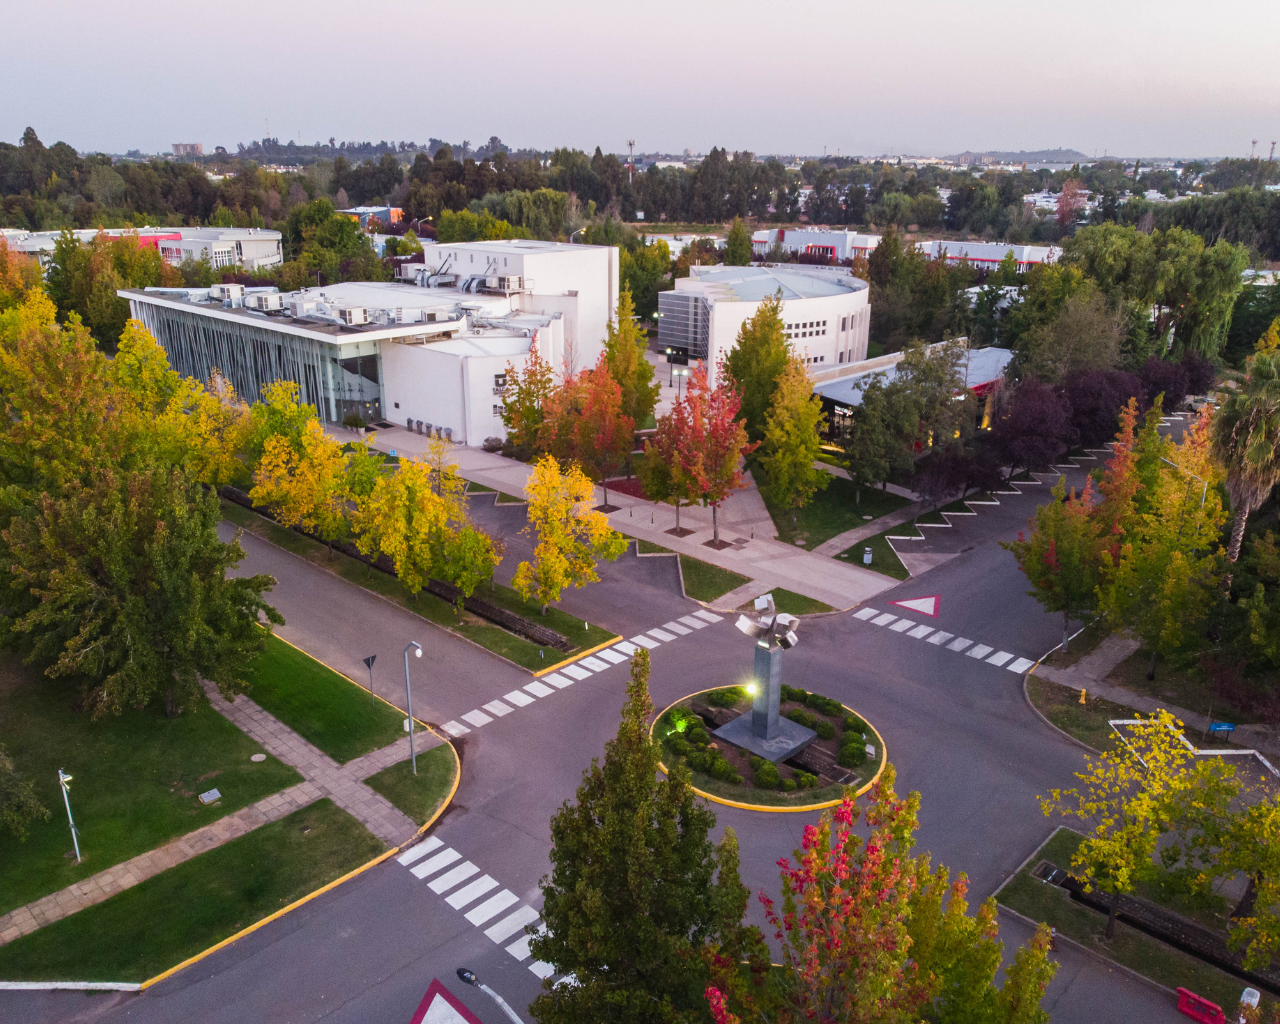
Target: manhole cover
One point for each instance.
(258, 757)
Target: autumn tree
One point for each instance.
(1252, 847)
(624, 351)
(1035, 429)
(637, 887)
(571, 536)
(306, 489)
(585, 424)
(282, 414)
(1062, 558)
(791, 441)
(1071, 201)
(527, 390)
(756, 362)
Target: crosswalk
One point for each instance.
(584, 668)
(501, 914)
(940, 638)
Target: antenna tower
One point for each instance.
(631, 158)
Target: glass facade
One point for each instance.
(684, 322)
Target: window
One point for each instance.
(844, 323)
(497, 411)
(397, 405)
(822, 359)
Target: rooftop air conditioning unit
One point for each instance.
(226, 291)
(352, 315)
(302, 307)
(264, 301)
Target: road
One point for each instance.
(956, 727)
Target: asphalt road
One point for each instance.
(956, 727)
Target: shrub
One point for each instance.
(788, 785)
(793, 693)
(353, 420)
(767, 776)
(724, 771)
(492, 444)
(803, 717)
(726, 698)
(806, 781)
(701, 760)
(678, 744)
(698, 736)
(852, 723)
(824, 705)
(826, 730)
(852, 755)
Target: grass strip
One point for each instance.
(831, 511)
(510, 499)
(479, 631)
(1086, 722)
(648, 547)
(1134, 949)
(475, 488)
(884, 559)
(137, 776)
(147, 929)
(797, 604)
(421, 795)
(1084, 643)
(323, 707)
(706, 582)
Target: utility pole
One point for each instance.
(631, 158)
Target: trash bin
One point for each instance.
(866, 556)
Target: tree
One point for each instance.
(737, 249)
(1084, 335)
(124, 580)
(643, 269)
(755, 363)
(1096, 398)
(1062, 559)
(1070, 203)
(18, 802)
(1252, 847)
(1245, 433)
(1035, 429)
(1270, 340)
(791, 441)
(867, 437)
(282, 414)
(306, 490)
(624, 349)
(585, 424)
(526, 392)
(571, 537)
(636, 888)
(870, 934)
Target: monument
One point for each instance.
(762, 730)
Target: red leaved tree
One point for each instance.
(585, 424)
(1071, 201)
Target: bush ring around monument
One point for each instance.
(787, 809)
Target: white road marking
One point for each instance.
(884, 619)
(419, 851)
(492, 907)
(542, 969)
(981, 651)
(689, 620)
(452, 877)
(644, 641)
(626, 648)
(595, 664)
(476, 718)
(557, 680)
(958, 644)
(920, 632)
(517, 698)
(613, 657)
(538, 689)
(657, 634)
(902, 625)
(511, 924)
(999, 658)
(471, 891)
(440, 860)
(676, 628)
(497, 708)
(455, 728)
(865, 613)
(520, 948)
(1021, 665)
(940, 637)
(702, 613)
(577, 671)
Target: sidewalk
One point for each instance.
(323, 776)
(844, 541)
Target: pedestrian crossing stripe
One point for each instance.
(920, 632)
(702, 613)
(517, 698)
(471, 892)
(981, 651)
(497, 708)
(452, 877)
(940, 637)
(613, 657)
(676, 628)
(958, 644)
(433, 864)
(557, 680)
(626, 647)
(660, 635)
(455, 729)
(902, 625)
(576, 671)
(538, 689)
(492, 907)
(512, 923)
(541, 969)
(884, 619)
(476, 718)
(419, 851)
(644, 641)
(864, 613)
(693, 623)
(1020, 666)
(595, 664)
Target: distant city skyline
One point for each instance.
(922, 79)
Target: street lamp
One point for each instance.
(63, 780)
(469, 978)
(572, 233)
(680, 374)
(408, 698)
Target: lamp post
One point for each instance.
(469, 978)
(572, 233)
(408, 698)
(63, 780)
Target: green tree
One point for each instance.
(1252, 847)
(1084, 335)
(755, 363)
(868, 438)
(737, 248)
(624, 349)
(1245, 442)
(18, 802)
(791, 442)
(527, 390)
(644, 270)
(637, 888)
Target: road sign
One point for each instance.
(924, 605)
(1221, 727)
(440, 1006)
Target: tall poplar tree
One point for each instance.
(756, 361)
(624, 348)
(791, 441)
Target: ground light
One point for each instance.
(469, 978)
(408, 699)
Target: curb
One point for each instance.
(884, 760)
(1040, 715)
(576, 657)
(69, 986)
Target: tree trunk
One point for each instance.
(1151, 669)
(677, 515)
(330, 551)
(544, 609)
(1245, 907)
(715, 524)
(605, 485)
(171, 708)
(1066, 624)
(857, 494)
(1111, 916)
(1237, 533)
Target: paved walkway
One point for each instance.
(323, 776)
(844, 541)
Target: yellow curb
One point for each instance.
(776, 810)
(457, 780)
(576, 657)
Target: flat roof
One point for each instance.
(755, 284)
(483, 345)
(984, 366)
(522, 246)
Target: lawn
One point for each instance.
(648, 547)
(421, 795)
(1184, 687)
(137, 778)
(706, 582)
(1136, 950)
(323, 707)
(1085, 642)
(571, 626)
(479, 631)
(831, 511)
(159, 923)
(884, 559)
(1086, 722)
(797, 604)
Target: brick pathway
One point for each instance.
(324, 778)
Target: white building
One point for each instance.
(434, 352)
(989, 255)
(825, 312)
(836, 244)
(250, 248)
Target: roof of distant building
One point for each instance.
(983, 366)
(755, 284)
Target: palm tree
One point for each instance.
(1246, 441)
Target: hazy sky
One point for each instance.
(1148, 79)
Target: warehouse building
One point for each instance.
(836, 245)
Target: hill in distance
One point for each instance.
(1036, 156)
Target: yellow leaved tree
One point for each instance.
(306, 489)
(571, 535)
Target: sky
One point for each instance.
(921, 78)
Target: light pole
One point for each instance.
(63, 780)
(368, 663)
(408, 698)
(572, 233)
(469, 978)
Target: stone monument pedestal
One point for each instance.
(789, 739)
